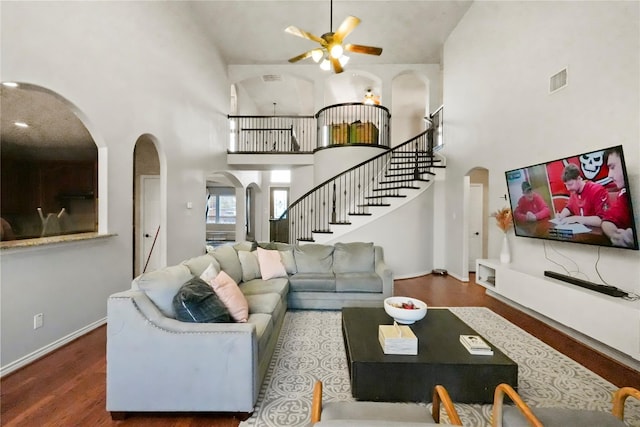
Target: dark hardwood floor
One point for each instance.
(67, 387)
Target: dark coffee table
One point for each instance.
(441, 359)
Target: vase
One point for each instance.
(505, 254)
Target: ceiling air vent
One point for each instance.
(271, 78)
(558, 81)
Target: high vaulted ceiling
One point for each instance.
(252, 32)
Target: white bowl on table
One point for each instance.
(405, 316)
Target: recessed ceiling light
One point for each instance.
(21, 124)
(10, 84)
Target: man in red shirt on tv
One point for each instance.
(616, 221)
(531, 206)
(587, 202)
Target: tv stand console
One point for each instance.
(614, 322)
(603, 289)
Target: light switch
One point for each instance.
(189, 205)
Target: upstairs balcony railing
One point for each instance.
(358, 189)
(339, 124)
(353, 123)
(272, 134)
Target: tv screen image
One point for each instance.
(583, 198)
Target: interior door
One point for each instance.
(475, 224)
(150, 223)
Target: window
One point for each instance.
(281, 176)
(279, 201)
(221, 205)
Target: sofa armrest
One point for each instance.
(155, 363)
(383, 270)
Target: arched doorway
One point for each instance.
(148, 242)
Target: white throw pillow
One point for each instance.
(270, 264)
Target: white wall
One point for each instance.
(499, 114)
(131, 68)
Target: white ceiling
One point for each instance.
(252, 32)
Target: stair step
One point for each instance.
(398, 187)
(396, 181)
(340, 223)
(385, 195)
(322, 231)
(306, 239)
(359, 213)
(374, 204)
(405, 156)
(408, 168)
(411, 174)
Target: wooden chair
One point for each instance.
(383, 413)
(522, 415)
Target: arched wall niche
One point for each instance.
(53, 159)
(351, 86)
(409, 106)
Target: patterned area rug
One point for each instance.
(310, 347)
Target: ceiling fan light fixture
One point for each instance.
(343, 60)
(336, 51)
(317, 54)
(325, 65)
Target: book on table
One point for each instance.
(476, 345)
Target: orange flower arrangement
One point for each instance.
(504, 219)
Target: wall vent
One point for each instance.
(558, 81)
(271, 78)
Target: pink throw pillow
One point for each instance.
(270, 264)
(231, 296)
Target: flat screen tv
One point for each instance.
(583, 198)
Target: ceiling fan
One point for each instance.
(331, 49)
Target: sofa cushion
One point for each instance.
(353, 257)
(162, 285)
(313, 258)
(278, 285)
(512, 417)
(264, 303)
(229, 293)
(317, 282)
(288, 261)
(200, 263)
(250, 265)
(381, 411)
(264, 330)
(358, 282)
(268, 245)
(270, 264)
(227, 257)
(196, 302)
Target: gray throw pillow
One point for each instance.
(196, 302)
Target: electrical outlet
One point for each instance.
(38, 321)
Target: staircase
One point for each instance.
(364, 190)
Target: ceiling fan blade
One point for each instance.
(305, 35)
(349, 23)
(337, 67)
(369, 50)
(302, 56)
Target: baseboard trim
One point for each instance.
(411, 275)
(32, 357)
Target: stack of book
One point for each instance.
(476, 345)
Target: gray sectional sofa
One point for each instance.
(156, 363)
